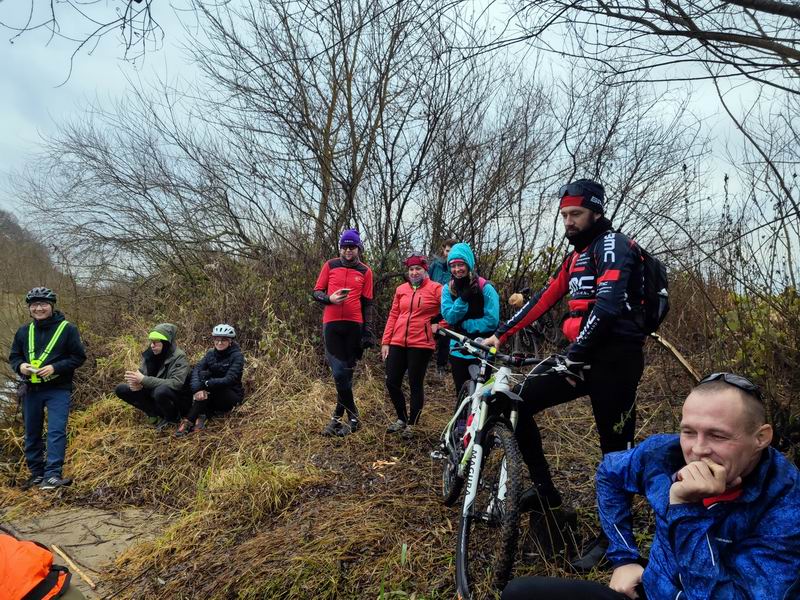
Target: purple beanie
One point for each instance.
(351, 238)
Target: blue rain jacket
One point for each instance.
(747, 548)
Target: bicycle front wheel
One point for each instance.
(452, 482)
(489, 528)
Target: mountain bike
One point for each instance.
(480, 453)
(542, 335)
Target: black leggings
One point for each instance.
(611, 383)
(415, 361)
(459, 368)
(442, 351)
(161, 401)
(219, 401)
(554, 588)
(342, 351)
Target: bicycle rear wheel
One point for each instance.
(452, 482)
(489, 531)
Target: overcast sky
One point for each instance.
(34, 96)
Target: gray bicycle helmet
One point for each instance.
(223, 330)
(41, 294)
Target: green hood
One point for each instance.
(167, 329)
(464, 252)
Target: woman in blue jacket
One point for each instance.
(470, 305)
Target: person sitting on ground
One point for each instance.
(470, 305)
(216, 381)
(440, 273)
(408, 341)
(344, 288)
(158, 387)
(727, 508)
(45, 353)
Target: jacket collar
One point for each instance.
(582, 240)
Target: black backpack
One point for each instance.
(655, 305)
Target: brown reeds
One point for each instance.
(262, 506)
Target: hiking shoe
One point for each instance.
(200, 423)
(398, 425)
(348, 427)
(332, 428)
(407, 433)
(594, 557)
(552, 531)
(162, 424)
(153, 420)
(539, 498)
(32, 481)
(185, 428)
(54, 482)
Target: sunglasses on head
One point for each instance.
(737, 381)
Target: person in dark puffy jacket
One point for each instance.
(216, 381)
(726, 507)
(158, 387)
(408, 341)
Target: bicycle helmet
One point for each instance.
(41, 294)
(223, 330)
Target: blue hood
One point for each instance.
(463, 252)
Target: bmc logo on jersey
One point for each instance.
(609, 245)
(576, 284)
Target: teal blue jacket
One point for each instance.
(438, 271)
(455, 310)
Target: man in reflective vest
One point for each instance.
(45, 353)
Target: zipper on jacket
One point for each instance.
(410, 312)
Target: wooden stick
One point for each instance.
(681, 358)
(73, 566)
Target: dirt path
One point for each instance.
(91, 537)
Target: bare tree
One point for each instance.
(754, 39)
(85, 23)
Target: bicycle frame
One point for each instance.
(473, 455)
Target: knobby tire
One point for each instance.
(486, 550)
(452, 483)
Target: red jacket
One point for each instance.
(413, 311)
(336, 275)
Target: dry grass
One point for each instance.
(264, 507)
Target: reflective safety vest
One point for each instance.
(27, 571)
(38, 362)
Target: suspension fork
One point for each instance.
(476, 461)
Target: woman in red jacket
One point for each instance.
(408, 340)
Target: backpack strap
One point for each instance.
(54, 585)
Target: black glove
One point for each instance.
(461, 288)
(561, 365)
(367, 339)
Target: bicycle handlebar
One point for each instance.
(475, 348)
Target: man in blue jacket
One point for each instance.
(440, 273)
(726, 505)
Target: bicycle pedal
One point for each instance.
(438, 455)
